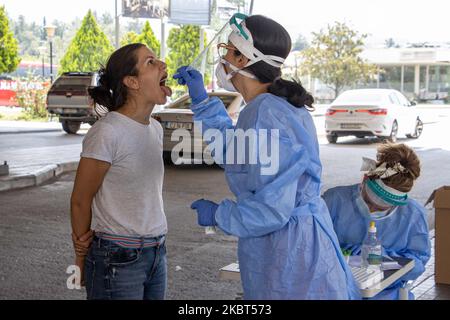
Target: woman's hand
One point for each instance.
(82, 244)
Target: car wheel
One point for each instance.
(417, 130)
(71, 127)
(393, 137)
(332, 138)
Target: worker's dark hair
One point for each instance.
(111, 93)
(271, 38)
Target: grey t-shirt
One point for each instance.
(129, 201)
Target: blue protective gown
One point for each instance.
(404, 233)
(287, 248)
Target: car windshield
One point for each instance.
(186, 104)
(72, 83)
(365, 97)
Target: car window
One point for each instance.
(72, 83)
(403, 100)
(366, 97)
(394, 99)
(186, 104)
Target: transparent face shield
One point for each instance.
(214, 50)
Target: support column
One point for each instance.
(402, 80)
(417, 80)
(163, 40)
(117, 27)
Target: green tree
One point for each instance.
(89, 49)
(9, 50)
(129, 37)
(184, 46)
(334, 58)
(300, 44)
(148, 38)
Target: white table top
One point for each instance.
(231, 272)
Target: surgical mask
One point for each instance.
(364, 210)
(224, 78)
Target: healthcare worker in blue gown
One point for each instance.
(383, 197)
(287, 248)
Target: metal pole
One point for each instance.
(117, 27)
(251, 8)
(163, 40)
(202, 47)
(51, 61)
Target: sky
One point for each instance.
(403, 20)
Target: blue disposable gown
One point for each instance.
(287, 248)
(404, 233)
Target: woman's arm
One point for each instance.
(90, 175)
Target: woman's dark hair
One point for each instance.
(271, 38)
(111, 93)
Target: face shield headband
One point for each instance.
(386, 194)
(242, 39)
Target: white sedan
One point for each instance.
(383, 113)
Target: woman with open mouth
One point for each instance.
(119, 183)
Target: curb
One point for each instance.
(38, 177)
(17, 131)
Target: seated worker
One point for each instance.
(383, 197)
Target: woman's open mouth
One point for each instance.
(162, 83)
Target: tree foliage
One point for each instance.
(89, 49)
(146, 37)
(334, 58)
(300, 44)
(128, 38)
(9, 49)
(184, 46)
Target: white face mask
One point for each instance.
(224, 78)
(363, 208)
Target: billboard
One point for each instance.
(145, 8)
(196, 12)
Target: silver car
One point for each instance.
(178, 115)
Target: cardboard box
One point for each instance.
(441, 199)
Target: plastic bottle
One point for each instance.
(371, 257)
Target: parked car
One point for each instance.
(178, 115)
(69, 100)
(383, 113)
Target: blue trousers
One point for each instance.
(113, 272)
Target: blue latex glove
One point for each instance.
(194, 81)
(206, 211)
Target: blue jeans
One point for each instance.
(113, 272)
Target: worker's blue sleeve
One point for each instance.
(331, 198)
(213, 115)
(418, 245)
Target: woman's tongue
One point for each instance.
(167, 91)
